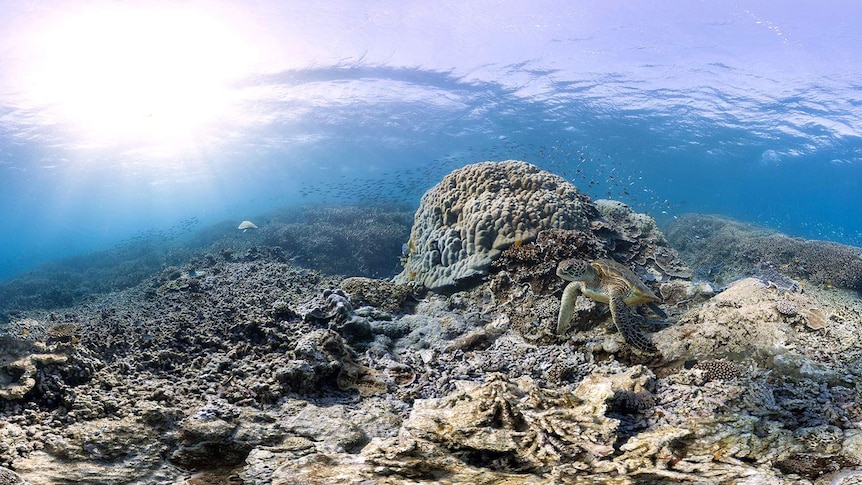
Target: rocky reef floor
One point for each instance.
(243, 368)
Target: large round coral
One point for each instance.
(475, 212)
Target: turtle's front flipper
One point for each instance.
(656, 309)
(627, 323)
(567, 306)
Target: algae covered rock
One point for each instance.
(43, 372)
(8, 477)
(752, 320)
(740, 322)
(105, 451)
(381, 294)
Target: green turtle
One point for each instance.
(608, 282)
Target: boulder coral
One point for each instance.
(466, 221)
(478, 212)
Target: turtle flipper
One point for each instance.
(627, 324)
(567, 306)
(656, 309)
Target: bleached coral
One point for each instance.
(526, 426)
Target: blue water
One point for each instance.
(751, 110)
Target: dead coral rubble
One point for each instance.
(523, 426)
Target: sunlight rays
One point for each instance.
(117, 74)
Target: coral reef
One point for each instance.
(635, 239)
(487, 210)
(238, 365)
(723, 250)
(340, 240)
(535, 263)
(476, 212)
(345, 240)
(44, 371)
(515, 425)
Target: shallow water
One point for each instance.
(109, 134)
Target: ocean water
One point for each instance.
(147, 121)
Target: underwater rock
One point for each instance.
(661, 455)
(852, 446)
(317, 358)
(685, 293)
(221, 435)
(335, 308)
(330, 429)
(8, 477)
(433, 325)
(105, 451)
(723, 424)
(813, 465)
(28, 366)
(464, 222)
(750, 321)
(360, 378)
(815, 319)
(318, 444)
(331, 305)
(208, 440)
(740, 322)
(292, 461)
(19, 377)
(381, 294)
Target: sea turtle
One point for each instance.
(612, 283)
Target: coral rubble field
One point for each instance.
(260, 360)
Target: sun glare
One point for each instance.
(119, 75)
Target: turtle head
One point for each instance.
(575, 270)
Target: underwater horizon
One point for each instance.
(152, 120)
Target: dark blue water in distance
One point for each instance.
(751, 110)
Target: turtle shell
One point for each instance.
(612, 272)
